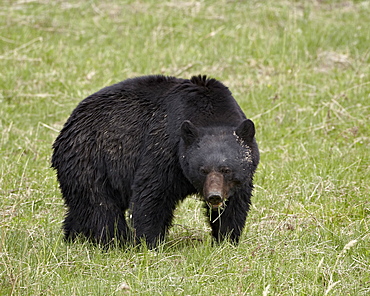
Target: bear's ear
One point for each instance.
(189, 132)
(246, 131)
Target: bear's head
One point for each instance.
(219, 160)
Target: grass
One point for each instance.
(299, 69)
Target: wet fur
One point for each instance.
(122, 149)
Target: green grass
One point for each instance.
(299, 69)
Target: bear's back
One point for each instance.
(205, 102)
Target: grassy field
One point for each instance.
(299, 69)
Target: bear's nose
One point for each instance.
(214, 198)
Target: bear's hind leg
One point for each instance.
(101, 223)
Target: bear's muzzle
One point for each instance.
(214, 190)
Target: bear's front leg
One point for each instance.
(158, 186)
(152, 215)
(228, 223)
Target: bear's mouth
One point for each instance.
(216, 206)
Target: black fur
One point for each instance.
(138, 145)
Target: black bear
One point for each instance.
(144, 144)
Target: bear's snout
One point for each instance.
(213, 190)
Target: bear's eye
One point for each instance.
(225, 170)
(203, 171)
